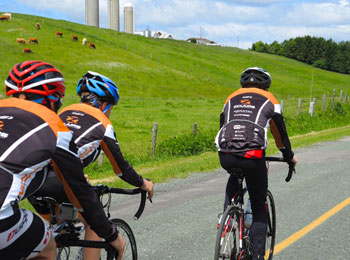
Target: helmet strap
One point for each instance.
(107, 107)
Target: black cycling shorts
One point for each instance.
(24, 234)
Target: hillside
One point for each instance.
(173, 83)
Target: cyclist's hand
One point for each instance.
(294, 160)
(148, 186)
(119, 244)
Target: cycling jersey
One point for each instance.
(92, 131)
(30, 136)
(246, 116)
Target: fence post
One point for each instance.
(300, 106)
(312, 108)
(195, 129)
(341, 96)
(324, 102)
(100, 158)
(282, 106)
(346, 98)
(333, 98)
(154, 138)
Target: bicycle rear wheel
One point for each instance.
(130, 252)
(271, 226)
(227, 240)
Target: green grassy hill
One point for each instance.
(171, 82)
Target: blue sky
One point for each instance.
(228, 22)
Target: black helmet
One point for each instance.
(255, 77)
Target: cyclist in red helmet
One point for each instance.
(242, 141)
(92, 132)
(32, 136)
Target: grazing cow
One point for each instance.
(92, 45)
(84, 41)
(27, 50)
(7, 14)
(37, 26)
(59, 34)
(74, 38)
(21, 40)
(4, 18)
(33, 40)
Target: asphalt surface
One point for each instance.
(181, 222)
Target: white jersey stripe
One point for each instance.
(87, 131)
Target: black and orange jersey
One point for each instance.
(92, 131)
(247, 114)
(32, 136)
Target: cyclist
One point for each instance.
(31, 135)
(92, 131)
(242, 140)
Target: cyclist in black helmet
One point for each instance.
(242, 140)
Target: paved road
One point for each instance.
(181, 222)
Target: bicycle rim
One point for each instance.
(130, 252)
(271, 227)
(227, 240)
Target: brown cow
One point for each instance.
(4, 18)
(74, 38)
(59, 34)
(21, 40)
(92, 45)
(37, 26)
(27, 50)
(33, 40)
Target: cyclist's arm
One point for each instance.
(279, 132)
(69, 170)
(120, 166)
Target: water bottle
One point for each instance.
(248, 216)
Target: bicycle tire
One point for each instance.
(271, 226)
(227, 239)
(130, 252)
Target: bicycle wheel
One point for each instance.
(271, 226)
(130, 252)
(227, 240)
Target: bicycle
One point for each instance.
(67, 234)
(233, 241)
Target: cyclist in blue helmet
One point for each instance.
(92, 132)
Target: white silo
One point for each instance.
(92, 12)
(113, 15)
(129, 18)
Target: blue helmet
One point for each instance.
(101, 87)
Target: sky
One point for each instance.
(237, 23)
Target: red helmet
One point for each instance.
(35, 77)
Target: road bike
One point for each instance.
(67, 234)
(233, 240)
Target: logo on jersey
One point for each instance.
(72, 119)
(245, 102)
(2, 134)
(1, 125)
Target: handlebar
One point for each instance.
(280, 159)
(103, 189)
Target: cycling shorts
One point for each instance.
(23, 234)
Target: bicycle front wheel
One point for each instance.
(227, 240)
(271, 225)
(130, 252)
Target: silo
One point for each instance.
(129, 18)
(92, 12)
(113, 15)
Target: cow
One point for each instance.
(84, 41)
(59, 34)
(7, 14)
(37, 26)
(92, 45)
(74, 38)
(33, 40)
(27, 50)
(21, 40)
(4, 18)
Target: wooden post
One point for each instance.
(333, 98)
(341, 96)
(346, 98)
(154, 138)
(300, 106)
(324, 102)
(100, 158)
(282, 106)
(150, 55)
(195, 129)
(312, 108)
